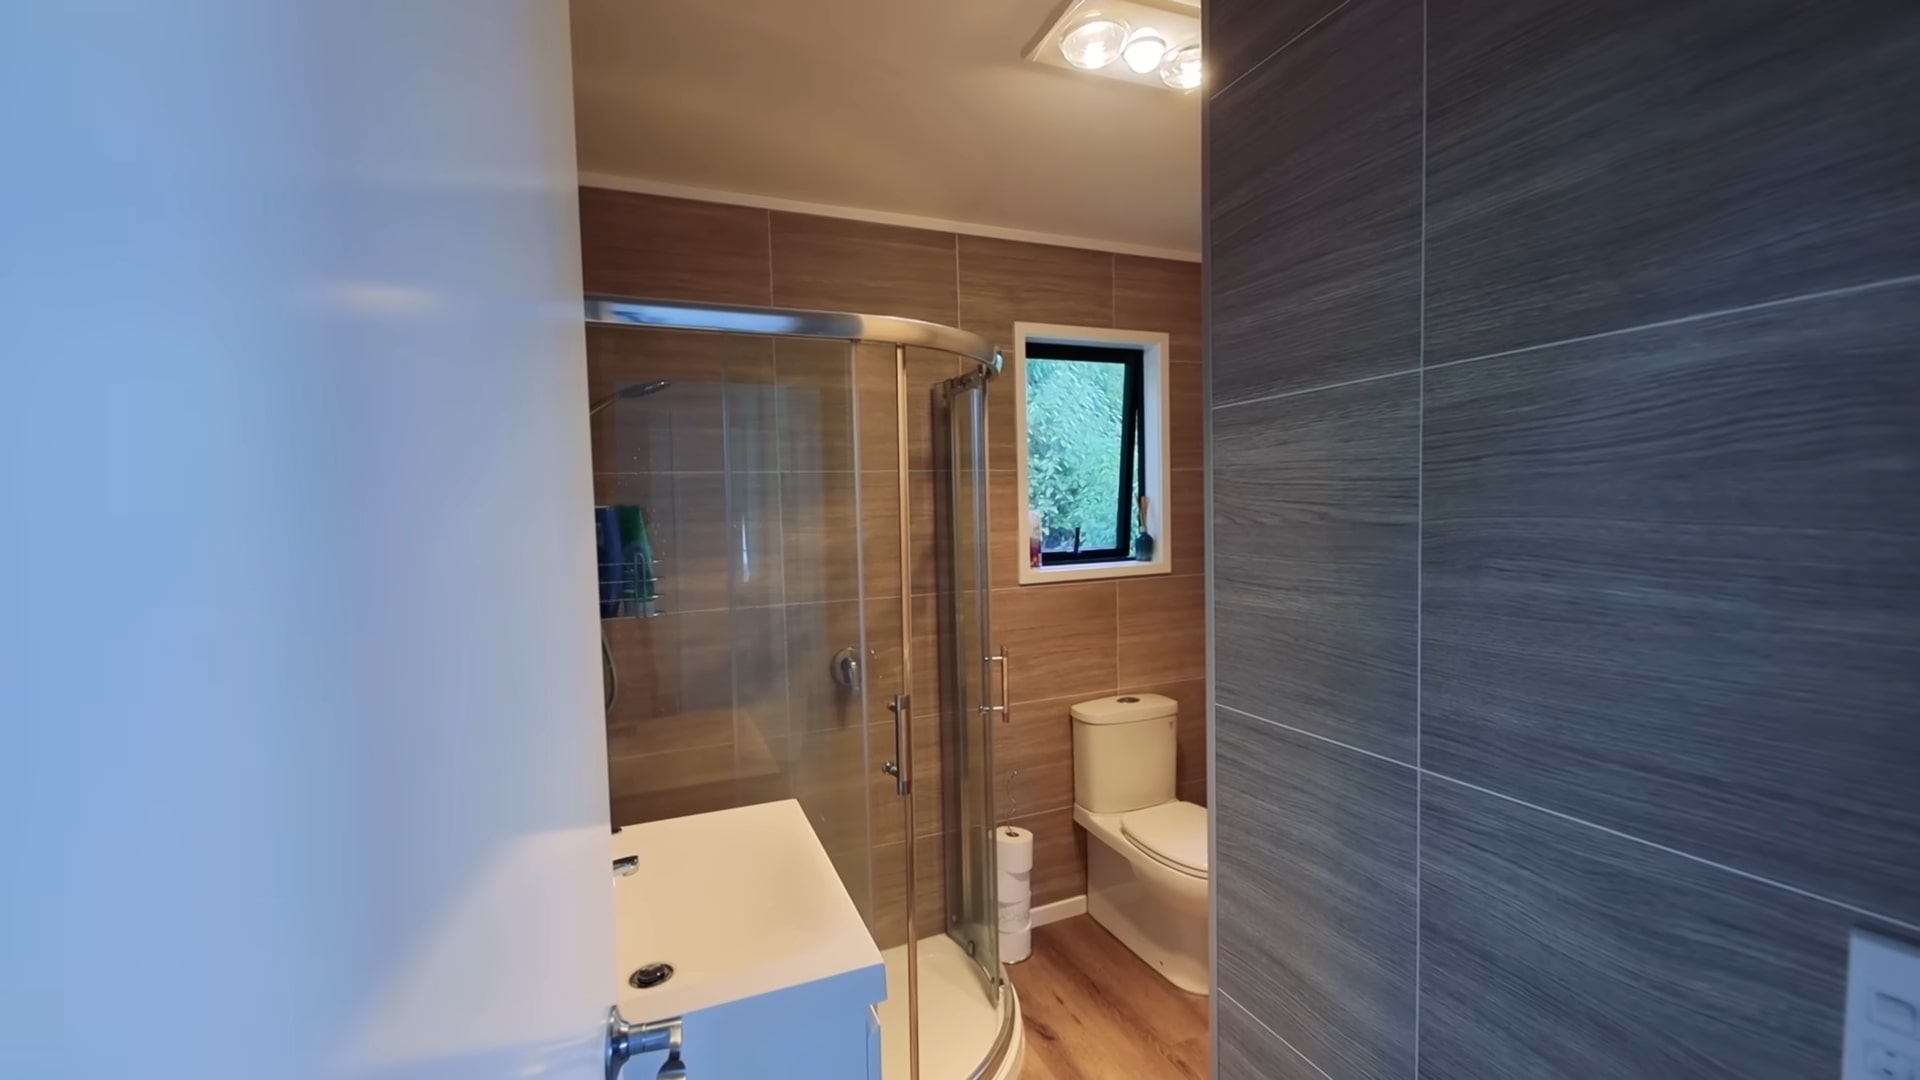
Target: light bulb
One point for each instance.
(1094, 42)
(1144, 50)
(1181, 69)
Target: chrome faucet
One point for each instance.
(626, 865)
(626, 1040)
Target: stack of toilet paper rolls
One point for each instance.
(1013, 850)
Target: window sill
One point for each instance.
(1125, 568)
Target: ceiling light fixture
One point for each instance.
(1181, 68)
(1149, 43)
(1094, 42)
(1144, 50)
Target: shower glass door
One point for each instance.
(688, 515)
(969, 668)
(840, 600)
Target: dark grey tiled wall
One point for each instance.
(1315, 258)
(1317, 511)
(1337, 983)
(1566, 511)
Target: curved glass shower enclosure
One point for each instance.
(794, 601)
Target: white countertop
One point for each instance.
(741, 902)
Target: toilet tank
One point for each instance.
(1123, 752)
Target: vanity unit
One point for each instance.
(773, 972)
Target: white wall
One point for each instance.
(298, 677)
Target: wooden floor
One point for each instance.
(1095, 1011)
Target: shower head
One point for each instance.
(636, 390)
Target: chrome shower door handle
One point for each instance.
(1005, 707)
(901, 767)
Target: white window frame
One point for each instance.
(1155, 386)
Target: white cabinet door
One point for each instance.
(304, 772)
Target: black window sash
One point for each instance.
(1132, 441)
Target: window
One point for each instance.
(1086, 469)
(1090, 432)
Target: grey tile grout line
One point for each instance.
(1315, 389)
(1689, 856)
(1420, 566)
(1657, 846)
(1284, 46)
(1321, 738)
(1682, 320)
(1235, 1002)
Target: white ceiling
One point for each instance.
(911, 107)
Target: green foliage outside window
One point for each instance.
(1073, 450)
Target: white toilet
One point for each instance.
(1146, 850)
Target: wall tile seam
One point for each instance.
(1123, 688)
(1083, 695)
(1748, 875)
(1609, 830)
(1680, 320)
(1145, 687)
(959, 296)
(1209, 731)
(1320, 738)
(1702, 316)
(1025, 814)
(678, 751)
(1018, 812)
(1283, 395)
(656, 474)
(812, 472)
(780, 424)
(722, 611)
(631, 762)
(1419, 568)
(1248, 1013)
(1283, 47)
(766, 218)
(1050, 586)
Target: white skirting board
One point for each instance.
(1059, 909)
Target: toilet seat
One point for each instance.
(1173, 834)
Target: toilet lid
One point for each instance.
(1174, 833)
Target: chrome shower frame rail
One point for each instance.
(793, 322)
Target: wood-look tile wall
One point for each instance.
(721, 705)
(1565, 381)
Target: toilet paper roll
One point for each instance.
(1015, 945)
(1013, 849)
(1013, 885)
(1016, 916)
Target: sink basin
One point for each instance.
(742, 903)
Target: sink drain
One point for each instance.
(649, 976)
